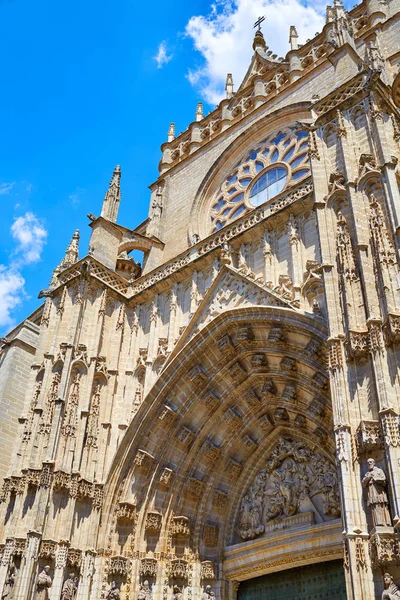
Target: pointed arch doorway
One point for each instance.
(311, 582)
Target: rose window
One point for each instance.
(277, 163)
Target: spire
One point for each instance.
(199, 111)
(293, 35)
(171, 132)
(259, 42)
(229, 86)
(112, 197)
(70, 258)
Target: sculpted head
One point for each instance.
(208, 588)
(388, 579)
(371, 464)
(47, 568)
(145, 584)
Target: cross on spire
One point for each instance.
(258, 23)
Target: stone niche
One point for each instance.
(297, 488)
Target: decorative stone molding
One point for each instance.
(47, 549)
(32, 477)
(166, 476)
(19, 547)
(126, 511)
(211, 400)
(185, 436)
(195, 487)
(237, 371)
(368, 436)
(153, 521)
(390, 424)
(62, 480)
(233, 468)
(225, 345)
(143, 460)
(391, 329)
(220, 499)
(74, 558)
(168, 415)
(232, 419)
(207, 570)
(383, 549)
(357, 345)
(210, 535)
(119, 565)
(179, 568)
(198, 375)
(180, 525)
(148, 567)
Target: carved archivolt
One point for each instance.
(296, 479)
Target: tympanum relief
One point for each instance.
(296, 479)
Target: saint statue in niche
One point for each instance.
(8, 589)
(43, 583)
(294, 478)
(113, 592)
(375, 483)
(391, 591)
(144, 591)
(70, 588)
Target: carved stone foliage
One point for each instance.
(153, 521)
(148, 567)
(368, 436)
(383, 549)
(207, 570)
(180, 525)
(179, 569)
(126, 511)
(296, 478)
(119, 565)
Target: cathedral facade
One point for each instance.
(223, 419)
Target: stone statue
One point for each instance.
(391, 591)
(375, 482)
(113, 592)
(8, 589)
(43, 583)
(144, 591)
(70, 588)
(177, 595)
(206, 595)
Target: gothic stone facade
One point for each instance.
(212, 416)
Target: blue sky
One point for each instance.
(82, 92)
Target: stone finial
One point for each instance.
(113, 197)
(70, 258)
(171, 132)
(259, 42)
(199, 111)
(293, 35)
(229, 86)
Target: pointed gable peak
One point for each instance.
(70, 258)
(113, 197)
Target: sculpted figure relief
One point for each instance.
(177, 595)
(144, 591)
(8, 589)
(375, 483)
(70, 588)
(207, 594)
(391, 591)
(43, 583)
(113, 592)
(292, 479)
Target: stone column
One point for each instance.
(29, 568)
(59, 571)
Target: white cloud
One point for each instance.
(224, 37)
(162, 58)
(30, 237)
(5, 188)
(11, 294)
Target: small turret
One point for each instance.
(293, 36)
(199, 111)
(113, 197)
(229, 86)
(171, 132)
(259, 42)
